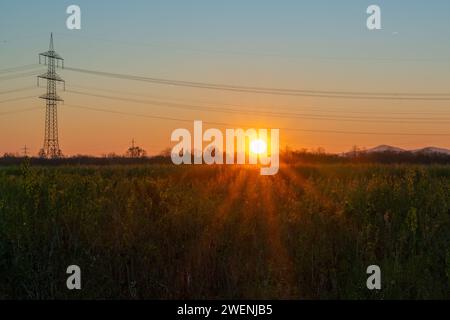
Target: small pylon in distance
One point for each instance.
(25, 150)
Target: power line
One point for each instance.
(245, 108)
(19, 68)
(250, 126)
(17, 99)
(17, 76)
(275, 91)
(264, 90)
(20, 111)
(17, 90)
(266, 113)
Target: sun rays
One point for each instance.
(243, 235)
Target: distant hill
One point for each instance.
(432, 150)
(391, 149)
(385, 148)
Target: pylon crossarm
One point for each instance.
(50, 54)
(51, 96)
(51, 76)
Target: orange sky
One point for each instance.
(96, 133)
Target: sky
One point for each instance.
(299, 45)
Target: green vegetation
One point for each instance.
(166, 232)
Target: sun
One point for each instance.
(258, 146)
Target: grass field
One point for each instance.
(166, 232)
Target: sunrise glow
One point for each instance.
(258, 146)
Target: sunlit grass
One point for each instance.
(225, 232)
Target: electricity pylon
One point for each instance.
(52, 60)
(25, 150)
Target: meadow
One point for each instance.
(206, 232)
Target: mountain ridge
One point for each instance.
(392, 149)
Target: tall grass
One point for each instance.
(165, 232)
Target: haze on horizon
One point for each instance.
(300, 45)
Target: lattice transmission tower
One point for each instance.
(53, 61)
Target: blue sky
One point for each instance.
(302, 28)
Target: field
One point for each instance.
(166, 232)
